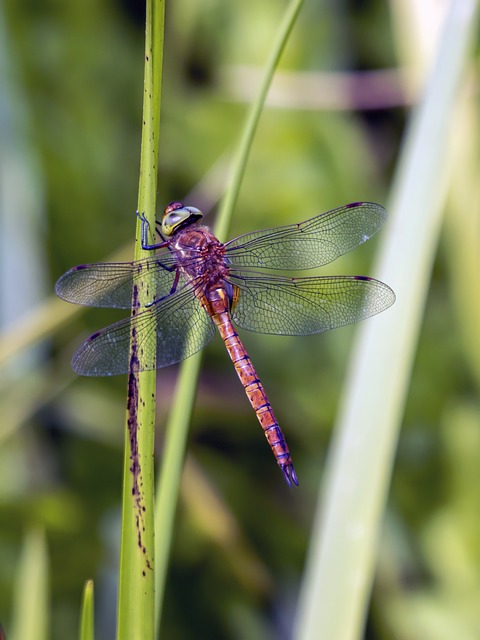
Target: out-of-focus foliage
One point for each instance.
(76, 70)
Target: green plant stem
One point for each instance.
(30, 603)
(179, 419)
(87, 620)
(171, 471)
(136, 584)
(240, 160)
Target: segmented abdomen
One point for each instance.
(253, 387)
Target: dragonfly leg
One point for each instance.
(144, 235)
(172, 290)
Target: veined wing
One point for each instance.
(303, 306)
(167, 332)
(308, 244)
(110, 284)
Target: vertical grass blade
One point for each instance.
(251, 123)
(341, 558)
(177, 425)
(87, 619)
(462, 231)
(136, 583)
(31, 601)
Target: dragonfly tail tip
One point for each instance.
(290, 475)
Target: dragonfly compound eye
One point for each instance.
(177, 217)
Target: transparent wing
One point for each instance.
(111, 284)
(303, 306)
(308, 244)
(170, 331)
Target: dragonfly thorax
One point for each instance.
(177, 216)
(199, 254)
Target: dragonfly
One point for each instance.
(200, 285)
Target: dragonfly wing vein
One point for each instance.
(308, 244)
(110, 284)
(304, 306)
(167, 332)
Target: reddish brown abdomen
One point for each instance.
(219, 311)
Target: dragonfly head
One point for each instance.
(178, 216)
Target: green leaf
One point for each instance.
(31, 601)
(87, 620)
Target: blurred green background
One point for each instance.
(70, 122)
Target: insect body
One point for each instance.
(201, 283)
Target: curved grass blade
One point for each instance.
(179, 419)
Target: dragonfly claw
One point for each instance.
(290, 475)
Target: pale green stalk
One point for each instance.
(31, 598)
(462, 233)
(179, 419)
(87, 631)
(253, 117)
(136, 601)
(341, 559)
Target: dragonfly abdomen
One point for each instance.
(254, 389)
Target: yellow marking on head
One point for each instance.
(177, 216)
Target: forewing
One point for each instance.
(166, 333)
(303, 306)
(110, 284)
(308, 244)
